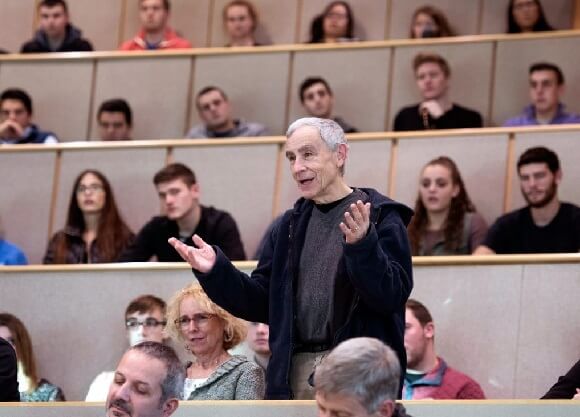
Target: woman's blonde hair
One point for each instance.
(234, 328)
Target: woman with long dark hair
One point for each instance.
(32, 388)
(429, 22)
(527, 16)
(95, 232)
(445, 220)
(335, 24)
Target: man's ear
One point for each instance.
(387, 408)
(195, 189)
(558, 176)
(341, 154)
(429, 330)
(170, 406)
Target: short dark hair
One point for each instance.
(548, 66)
(146, 303)
(428, 57)
(420, 312)
(540, 155)
(172, 385)
(117, 105)
(173, 172)
(209, 89)
(17, 94)
(309, 82)
(166, 4)
(53, 3)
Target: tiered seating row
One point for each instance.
(371, 81)
(108, 22)
(37, 180)
(493, 317)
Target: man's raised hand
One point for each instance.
(201, 258)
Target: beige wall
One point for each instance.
(256, 89)
(529, 408)
(470, 81)
(494, 14)
(371, 84)
(276, 22)
(16, 23)
(60, 92)
(511, 74)
(481, 161)
(358, 78)
(462, 15)
(257, 183)
(109, 22)
(156, 89)
(488, 319)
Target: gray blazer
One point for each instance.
(235, 379)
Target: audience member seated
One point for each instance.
(335, 24)
(429, 22)
(215, 111)
(56, 33)
(16, 125)
(436, 110)
(8, 373)
(115, 120)
(144, 322)
(526, 16)
(148, 382)
(31, 387)
(546, 88)
(155, 32)
(445, 220)
(567, 387)
(208, 331)
(427, 375)
(10, 254)
(257, 340)
(95, 231)
(240, 20)
(318, 101)
(545, 225)
(184, 217)
(360, 377)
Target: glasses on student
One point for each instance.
(199, 320)
(81, 189)
(148, 322)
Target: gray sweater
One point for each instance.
(235, 379)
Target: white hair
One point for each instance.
(330, 131)
(364, 368)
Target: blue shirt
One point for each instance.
(11, 254)
(529, 117)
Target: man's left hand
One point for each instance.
(356, 222)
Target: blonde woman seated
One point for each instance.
(445, 220)
(208, 331)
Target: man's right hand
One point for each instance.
(201, 258)
(10, 129)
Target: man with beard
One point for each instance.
(427, 375)
(545, 225)
(148, 382)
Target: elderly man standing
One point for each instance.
(336, 266)
(148, 382)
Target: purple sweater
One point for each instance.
(528, 117)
